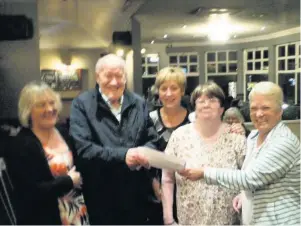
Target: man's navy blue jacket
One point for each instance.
(114, 194)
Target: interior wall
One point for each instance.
(81, 58)
(19, 61)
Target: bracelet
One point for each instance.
(171, 223)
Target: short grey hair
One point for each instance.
(30, 95)
(268, 89)
(110, 60)
(234, 111)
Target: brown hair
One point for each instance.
(210, 89)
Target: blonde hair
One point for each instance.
(30, 95)
(171, 73)
(268, 89)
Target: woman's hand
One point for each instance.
(237, 128)
(75, 177)
(237, 203)
(192, 174)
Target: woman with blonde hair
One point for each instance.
(46, 184)
(170, 85)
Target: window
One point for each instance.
(150, 65)
(221, 67)
(288, 71)
(187, 61)
(256, 68)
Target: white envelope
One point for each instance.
(160, 160)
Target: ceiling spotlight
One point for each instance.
(213, 10)
(223, 10)
(153, 41)
(262, 28)
(234, 36)
(184, 26)
(165, 36)
(143, 50)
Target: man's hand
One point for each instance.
(237, 203)
(135, 159)
(192, 174)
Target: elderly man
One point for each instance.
(108, 125)
(270, 175)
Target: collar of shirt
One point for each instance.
(115, 112)
(106, 99)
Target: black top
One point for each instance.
(163, 131)
(36, 191)
(114, 194)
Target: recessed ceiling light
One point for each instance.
(213, 10)
(153, 41)
(165, 36)
(234, 36)
(262, 28)
(223, 10)
(143, 50)
(184, 26)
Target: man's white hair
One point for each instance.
(268, 89)
(111, 61)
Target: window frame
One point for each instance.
(261, 71)
(187, 63)
(286, 57)
(146, 65)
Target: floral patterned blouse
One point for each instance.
(197, 202)
(72, 207)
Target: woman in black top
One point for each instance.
(170, 84)
(41, 165)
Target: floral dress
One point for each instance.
(72, 207)
(197, 202)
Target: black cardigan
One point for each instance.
(36, 191)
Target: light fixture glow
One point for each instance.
(184, 26)
(165, 36)
(284, 106)
(234, 36)
(153, 41)
(219, 27)
(213, 10)
(223, 10)
(262, 28)
(120, 52)
(143, 50)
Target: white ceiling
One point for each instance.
(90, 23)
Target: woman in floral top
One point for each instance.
(46, 184)
(206, 142)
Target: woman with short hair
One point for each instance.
(46, 184)
(170, 86)
(207, 141)
(270, 176)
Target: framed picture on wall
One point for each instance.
(67, 82)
